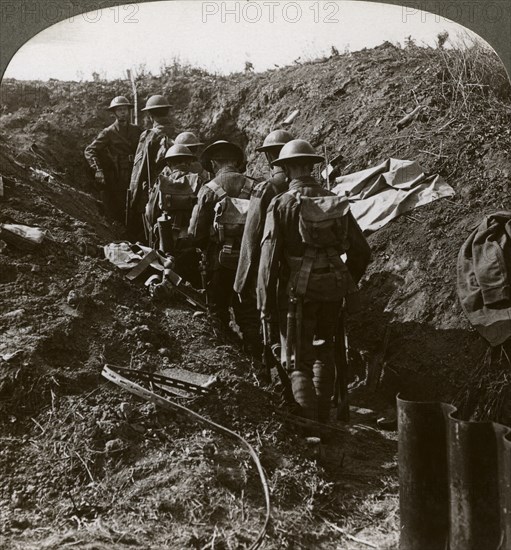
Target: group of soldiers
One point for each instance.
(284, 252)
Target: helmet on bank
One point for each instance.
(297, 149)
(156, 102)
(275, 140)
(187, 138)
(119, 101)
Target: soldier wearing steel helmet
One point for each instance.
(246, 275)
(226, 158)
(149, 162)
(192, 142)
(306, 233)
(175, 198)
(262, 195)
(111, 156)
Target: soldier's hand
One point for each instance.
(100, 178)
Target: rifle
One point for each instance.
(327, 165)
(203, 263)
(341, 400)
(170, 277)
(290, 332)
(270, 359)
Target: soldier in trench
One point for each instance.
(111, 156)
(190, 140)
(176, 189)
(307, 229)
(222, 254)
(148, 163)
(246, 274)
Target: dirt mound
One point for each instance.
(81, 471)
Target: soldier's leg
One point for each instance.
(219, 293)
(324, 367)
(118, 211)
(302, 374)
(187, 265)
(282, 302)
(247, 317)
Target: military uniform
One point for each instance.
(190, 140)
(149, 162)
(204, 176)
(262, 194)
(282, 255)
(176, 191)
(220, 278)
(112, 152)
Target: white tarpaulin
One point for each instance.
(126, 255)
(380, 194)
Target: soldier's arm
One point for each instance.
(202, 217)
(158, 147)
(359, 251)
(92, 152)
(250, 242)
(271, 246)
(139, 173)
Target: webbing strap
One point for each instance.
(219, 191)
(305, 271)
(142, 265)
(335, 262)
(246, 190)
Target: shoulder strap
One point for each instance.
(296, 194)
(219, 191)
(246, 191)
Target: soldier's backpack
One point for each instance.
(176, 200)
(229, 222)
(177, 196)
(320, 274)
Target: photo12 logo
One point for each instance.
(54, 11)
(270, 12)
(459, 10)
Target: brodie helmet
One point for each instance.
(223, 150)
(179, 152)
(119, 101)
(187, 138)
(275, 140)
(297, 149)
(156, 102)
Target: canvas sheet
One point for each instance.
(380, 194)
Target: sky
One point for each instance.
(218, 36)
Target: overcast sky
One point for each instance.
(218, 36)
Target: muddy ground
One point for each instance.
(85, 464)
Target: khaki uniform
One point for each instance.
(220, 279)
(204, 176)
(149, 162)
(113, 152)
(172, 224)
(263, 193)
(282, 250)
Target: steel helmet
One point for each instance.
(119, 101)
(295, 150)
(274, 140)
(223, 150)
(156, 102)
(179, 151)
(188, 138)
